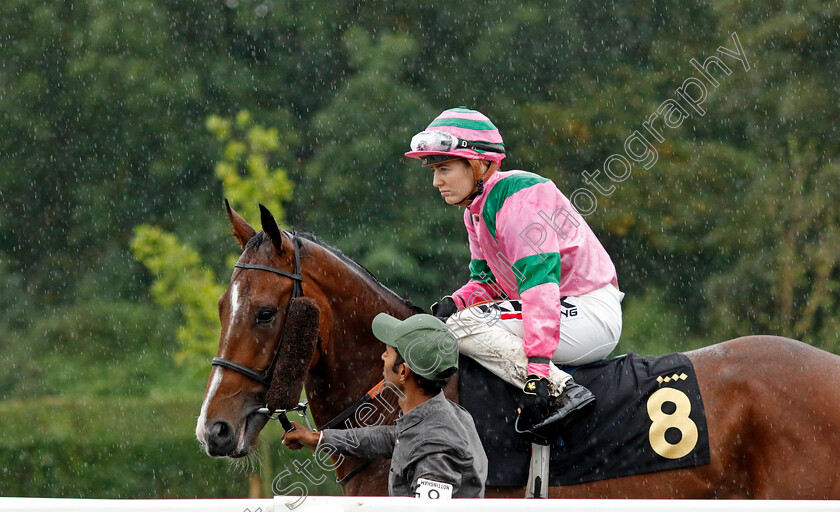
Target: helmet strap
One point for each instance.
(480, 175)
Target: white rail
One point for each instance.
(379, 504)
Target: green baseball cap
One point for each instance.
(425, 342)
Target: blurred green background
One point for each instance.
(123, 125)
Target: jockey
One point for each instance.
(542, 289)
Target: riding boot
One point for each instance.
(564, 408)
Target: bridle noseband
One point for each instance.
(264, 377)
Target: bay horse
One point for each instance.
(772, 404)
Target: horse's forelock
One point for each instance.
(255, 242)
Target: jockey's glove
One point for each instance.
(533, 404)
(444, 308)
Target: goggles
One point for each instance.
(445, 142)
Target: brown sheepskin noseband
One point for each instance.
(297, 347)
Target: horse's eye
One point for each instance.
(264, 316)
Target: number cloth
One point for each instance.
(648, 417)
(528, 242)
(436, 440)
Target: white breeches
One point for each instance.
(589, 330)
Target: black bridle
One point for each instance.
(264, 377)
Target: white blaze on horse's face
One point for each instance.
(228, 424)
(200, 431)
(236, 302)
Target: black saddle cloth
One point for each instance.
(622, 436)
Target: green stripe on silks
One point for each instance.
(538, 269)
(480, 271)
(505, 188)
(468, 124)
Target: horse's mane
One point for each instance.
(258, 240)
(346, 259)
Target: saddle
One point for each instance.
(648, 417)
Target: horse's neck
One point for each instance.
(350, 360)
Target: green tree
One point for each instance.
(791, 279)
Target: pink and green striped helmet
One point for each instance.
(458, 133)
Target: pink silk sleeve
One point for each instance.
(474, 291)
(541, 319)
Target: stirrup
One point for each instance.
(574, 401)
(530, 435)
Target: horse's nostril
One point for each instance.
(220, 429)
(220, 438)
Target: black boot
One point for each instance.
(572, 403)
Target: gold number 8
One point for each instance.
(678, 419)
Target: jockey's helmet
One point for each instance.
(458, 133)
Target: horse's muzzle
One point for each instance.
(223, 440)
(220, 439)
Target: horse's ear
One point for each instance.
(242, 231)
(270, 228)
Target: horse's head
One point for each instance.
(253, 360)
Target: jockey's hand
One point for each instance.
(533, 404)
(301, 437)
(444, 308)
